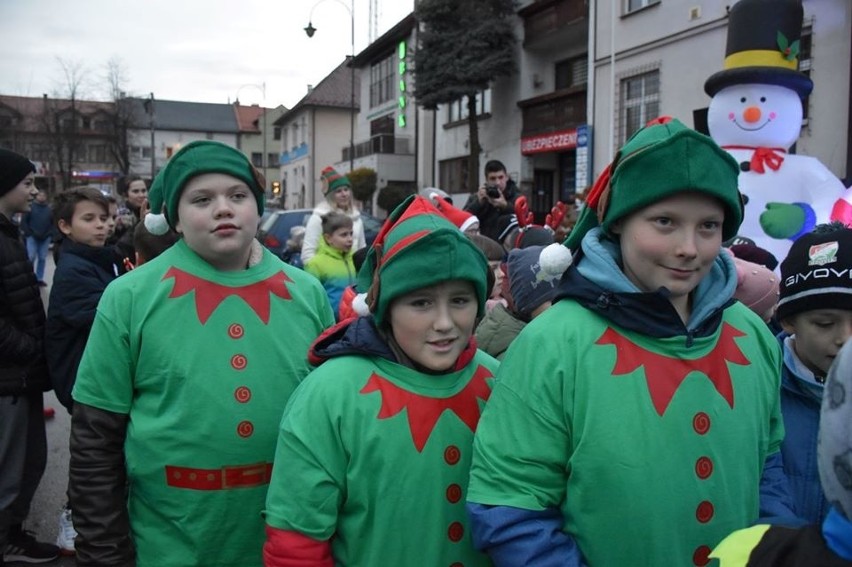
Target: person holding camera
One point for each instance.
(494, 201)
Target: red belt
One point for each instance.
(226, 478)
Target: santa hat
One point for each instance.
(196, 158)
(13, 169)
(662, 159)
(462, 219)
(417, 247)
(334, 181)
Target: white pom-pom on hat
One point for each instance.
(156, 224)
(555, 259)
(359, 305)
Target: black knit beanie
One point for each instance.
(817, 272)
(13, 168)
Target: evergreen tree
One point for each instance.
(463, 47)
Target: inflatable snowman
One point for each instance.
(756, 115)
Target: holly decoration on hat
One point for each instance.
(789, 50)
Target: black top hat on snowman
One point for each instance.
(763, 47)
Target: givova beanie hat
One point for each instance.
(817, 272)
(13, 169)
(197, 158)
(418, 247)
(834, 450)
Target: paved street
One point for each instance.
(44, 514)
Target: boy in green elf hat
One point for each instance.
(379, 435)
(638, 418)
(189, 364)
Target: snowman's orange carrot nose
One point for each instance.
(751, 114)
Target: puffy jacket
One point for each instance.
(78, 283)
(22, 365)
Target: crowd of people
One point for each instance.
(626, 384)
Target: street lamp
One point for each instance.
(262, 88)
(310, 30)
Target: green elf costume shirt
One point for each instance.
(652, 448)
(202, 362)
(377, 458)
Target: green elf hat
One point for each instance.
(334, 181)
(764, 40)
(196, 158)
(417, 247)
(660, 160)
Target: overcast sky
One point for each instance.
(192, 50)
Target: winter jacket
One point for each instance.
(335, 271)
(372, 444)
(313, 230)
(78, 283)
(38, 223)
(607, 391)
(497, 331)
(22, 366)
(492, 220)
(801, 397)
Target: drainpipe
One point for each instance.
(590, 86)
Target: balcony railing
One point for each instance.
(380, 144)
(550, 16)
(554, 111)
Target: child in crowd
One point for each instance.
(815, 311)
(184, 378)
(528, 292)
(85, 268)
(293, 252)
(494, 253)
(827, 543)
(645, 396)
(380, 434)
(23, 370)
(148, 245)
(332, 265)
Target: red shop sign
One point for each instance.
(552, 142)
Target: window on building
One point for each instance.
(295, 130)
(805, 50)
(640, 102)
(382, 83)
(572, 72)
(6, 121)
(100, 125)
(97, 153)
(272, 159)
(87, 123)
(209, 135)
(67, 124)
(453, 175)
(257, 159)
(458, 110)
(276, 133)
(304, 128)
(146, 152)
(633, 5)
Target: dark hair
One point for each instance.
(490, 247)
(359, 256)
(493, 166)
(335, 221)
(829, 227)
(125, 184)
(65, 203)
(148, 245)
